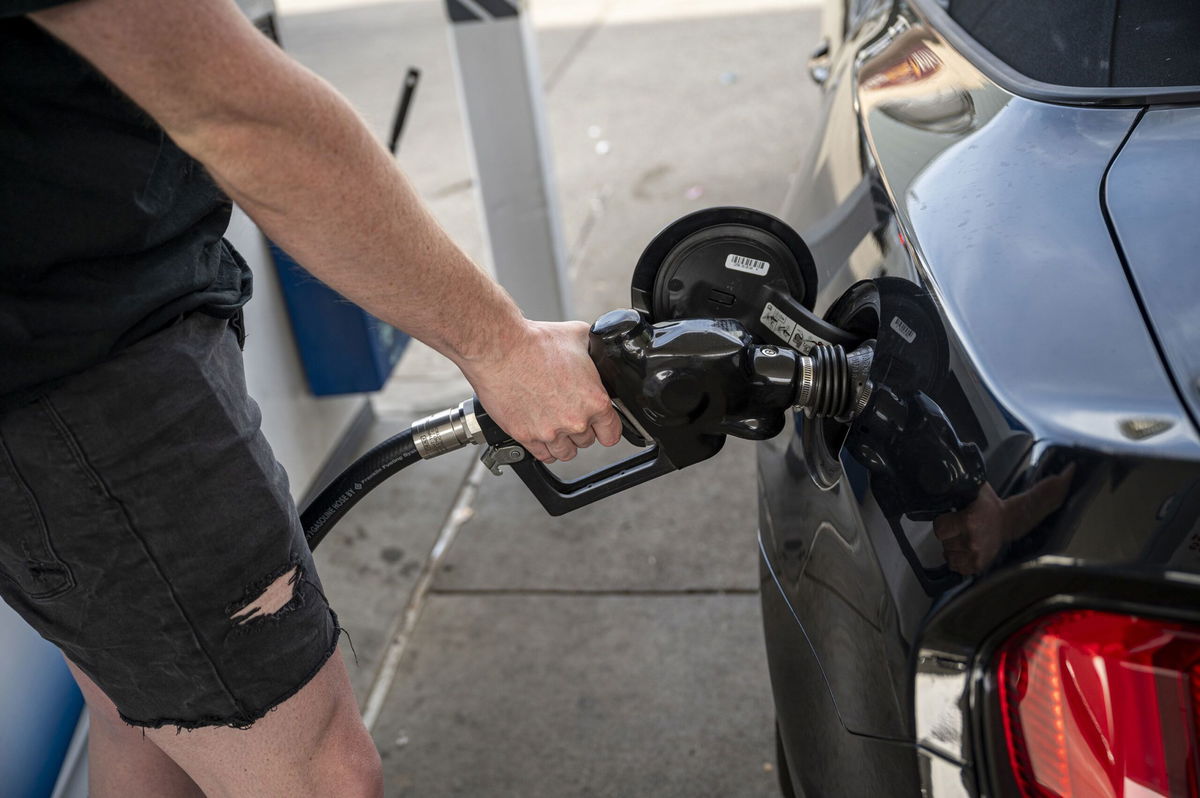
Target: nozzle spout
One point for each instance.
(833, 383)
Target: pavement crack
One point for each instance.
(406, 623)
(596, 209)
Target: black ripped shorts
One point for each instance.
(144, 515)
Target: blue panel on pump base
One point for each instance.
(344, 349)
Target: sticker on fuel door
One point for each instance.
(740, 263)
(905, 332)
(789, 331)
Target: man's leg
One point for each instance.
(312, 744)
(150, 534)
(122, 759)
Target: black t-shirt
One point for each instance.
(108, 231)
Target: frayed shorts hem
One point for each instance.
(244, 720)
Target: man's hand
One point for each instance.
(544, 391)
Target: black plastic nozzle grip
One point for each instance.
(559, 496)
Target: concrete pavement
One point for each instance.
(581, 695)
(616, 651)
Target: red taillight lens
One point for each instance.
(1097, 704)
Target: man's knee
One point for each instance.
(362, 771)
(343, 756)
(348, 762)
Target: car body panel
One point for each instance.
(1154, 203)
(1013, 343)
(858, 764)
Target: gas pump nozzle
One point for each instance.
(680, 388)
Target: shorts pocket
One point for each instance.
(26, 556)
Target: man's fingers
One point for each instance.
(596, 437)
(956, 543)
(562, 448)
(607, 427)
(947, 526)
(539, 450)
(584, 439)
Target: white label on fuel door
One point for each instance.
(777, 322)
(740, 263)
(906, 332)
(789, 331)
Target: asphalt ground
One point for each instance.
(617, 650)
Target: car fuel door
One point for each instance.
(903, 451)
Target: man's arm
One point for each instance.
(293, 153)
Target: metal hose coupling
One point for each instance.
(447, 431)
(833, 383)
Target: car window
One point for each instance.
(1089, 43)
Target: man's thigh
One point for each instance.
(150, 534)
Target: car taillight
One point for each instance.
(1097, 704)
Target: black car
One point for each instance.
(989, 582)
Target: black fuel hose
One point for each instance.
(363, 475)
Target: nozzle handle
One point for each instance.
(559, 496)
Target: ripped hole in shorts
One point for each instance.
(275, 599)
